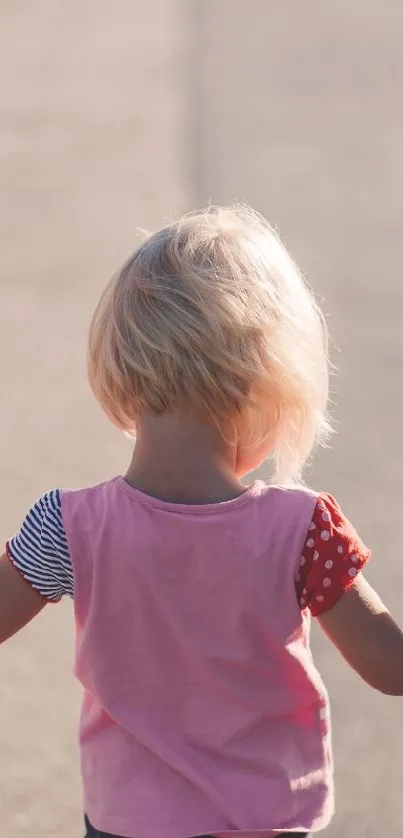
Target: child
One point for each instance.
(203, 712)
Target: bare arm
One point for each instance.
(19, 602)
(362, 629)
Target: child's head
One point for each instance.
(211, 318)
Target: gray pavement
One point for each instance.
(115, 116)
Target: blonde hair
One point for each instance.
(211, 316)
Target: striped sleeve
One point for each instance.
(40, 551)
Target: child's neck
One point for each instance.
(181, 460)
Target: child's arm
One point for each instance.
(36, 567)
(367, 637)
(330, 584)
(19, 601)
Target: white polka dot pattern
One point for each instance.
(332, 557)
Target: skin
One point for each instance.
(179, 460)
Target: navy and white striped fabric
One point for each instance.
(40, 552)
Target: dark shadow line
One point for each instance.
(196, 29)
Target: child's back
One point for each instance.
(203, 711)
(199, 680)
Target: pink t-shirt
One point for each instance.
(203, 711)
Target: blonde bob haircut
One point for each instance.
(211, 317)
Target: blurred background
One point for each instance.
(119, 115)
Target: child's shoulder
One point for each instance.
(78, 502)
(284, 489)
(293, 495)
(323, 504)
(94, 489)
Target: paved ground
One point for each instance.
(114, 116)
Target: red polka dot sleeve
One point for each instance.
(332, 557)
